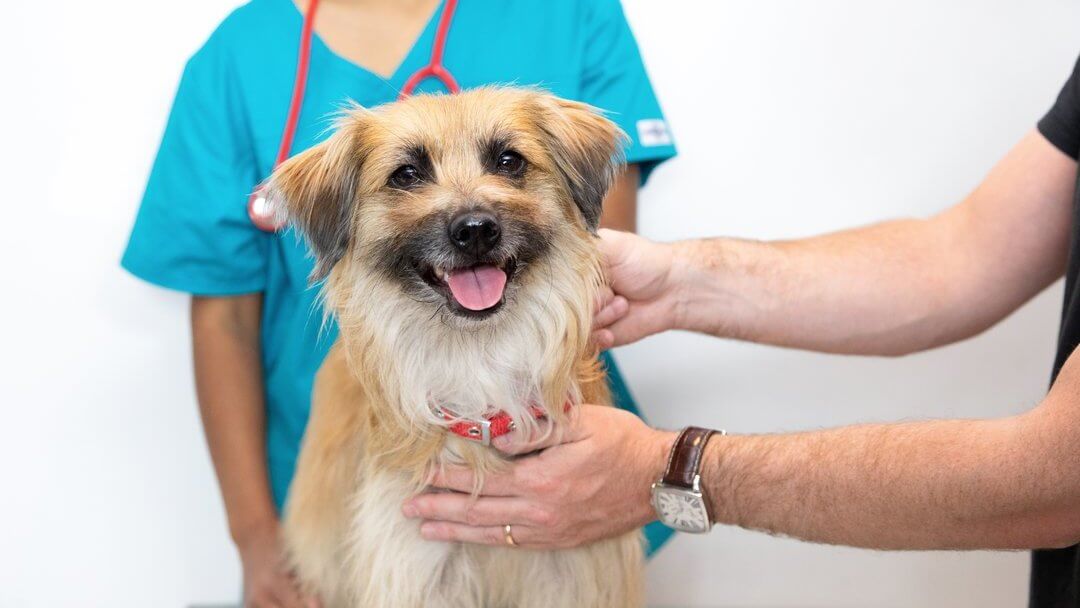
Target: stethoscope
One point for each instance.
(258, 210)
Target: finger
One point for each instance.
(524, 536)
(603, 339)
(612, 246)
(603, 299)
(627, 330)
(312, 602)
(609, 237)
(464, 509)
(519, 442)
(461, 479)
(613, 311)
(528, 439)
(544, 438)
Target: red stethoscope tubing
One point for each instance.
(261, 215)
(435, 68)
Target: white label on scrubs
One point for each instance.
(653, 132)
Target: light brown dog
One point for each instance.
(456, 235)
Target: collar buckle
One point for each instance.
(479, 431)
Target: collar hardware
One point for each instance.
(482, 431)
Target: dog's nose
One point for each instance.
(475, 232)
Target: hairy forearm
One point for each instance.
(866, 291)
(950, 484)
(228, 375)
(895, 287)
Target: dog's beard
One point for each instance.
(521, 357)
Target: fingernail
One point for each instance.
(409, 509)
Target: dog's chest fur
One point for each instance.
(368, 554)
(405, 570)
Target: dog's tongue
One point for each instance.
(477, 288)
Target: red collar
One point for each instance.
(483, 431)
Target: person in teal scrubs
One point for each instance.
(193, 234)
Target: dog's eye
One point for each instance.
(510, 163)
(406, 176)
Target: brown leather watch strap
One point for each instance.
(684, 462)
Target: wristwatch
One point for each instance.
(678, 497)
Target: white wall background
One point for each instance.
(792, 118)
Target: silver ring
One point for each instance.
(508, 536)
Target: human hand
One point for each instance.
(268, 582)
(642, 298)
(588, 482)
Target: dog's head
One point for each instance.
(456, 236)
(455, 200)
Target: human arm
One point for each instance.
(1007, 483)
(228, 378)
(620, 204)
(887, 289)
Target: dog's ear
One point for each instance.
(587, 149)
(316, 191)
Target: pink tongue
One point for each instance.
(477, 288)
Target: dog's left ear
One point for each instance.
(316, 191)
(587, 149)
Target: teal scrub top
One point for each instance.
(192, 232)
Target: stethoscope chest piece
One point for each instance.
(262, 212)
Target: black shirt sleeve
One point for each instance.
(1061, 125)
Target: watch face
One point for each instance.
(681, 509)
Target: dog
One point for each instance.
(456, 238)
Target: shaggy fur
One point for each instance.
(373, 438)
